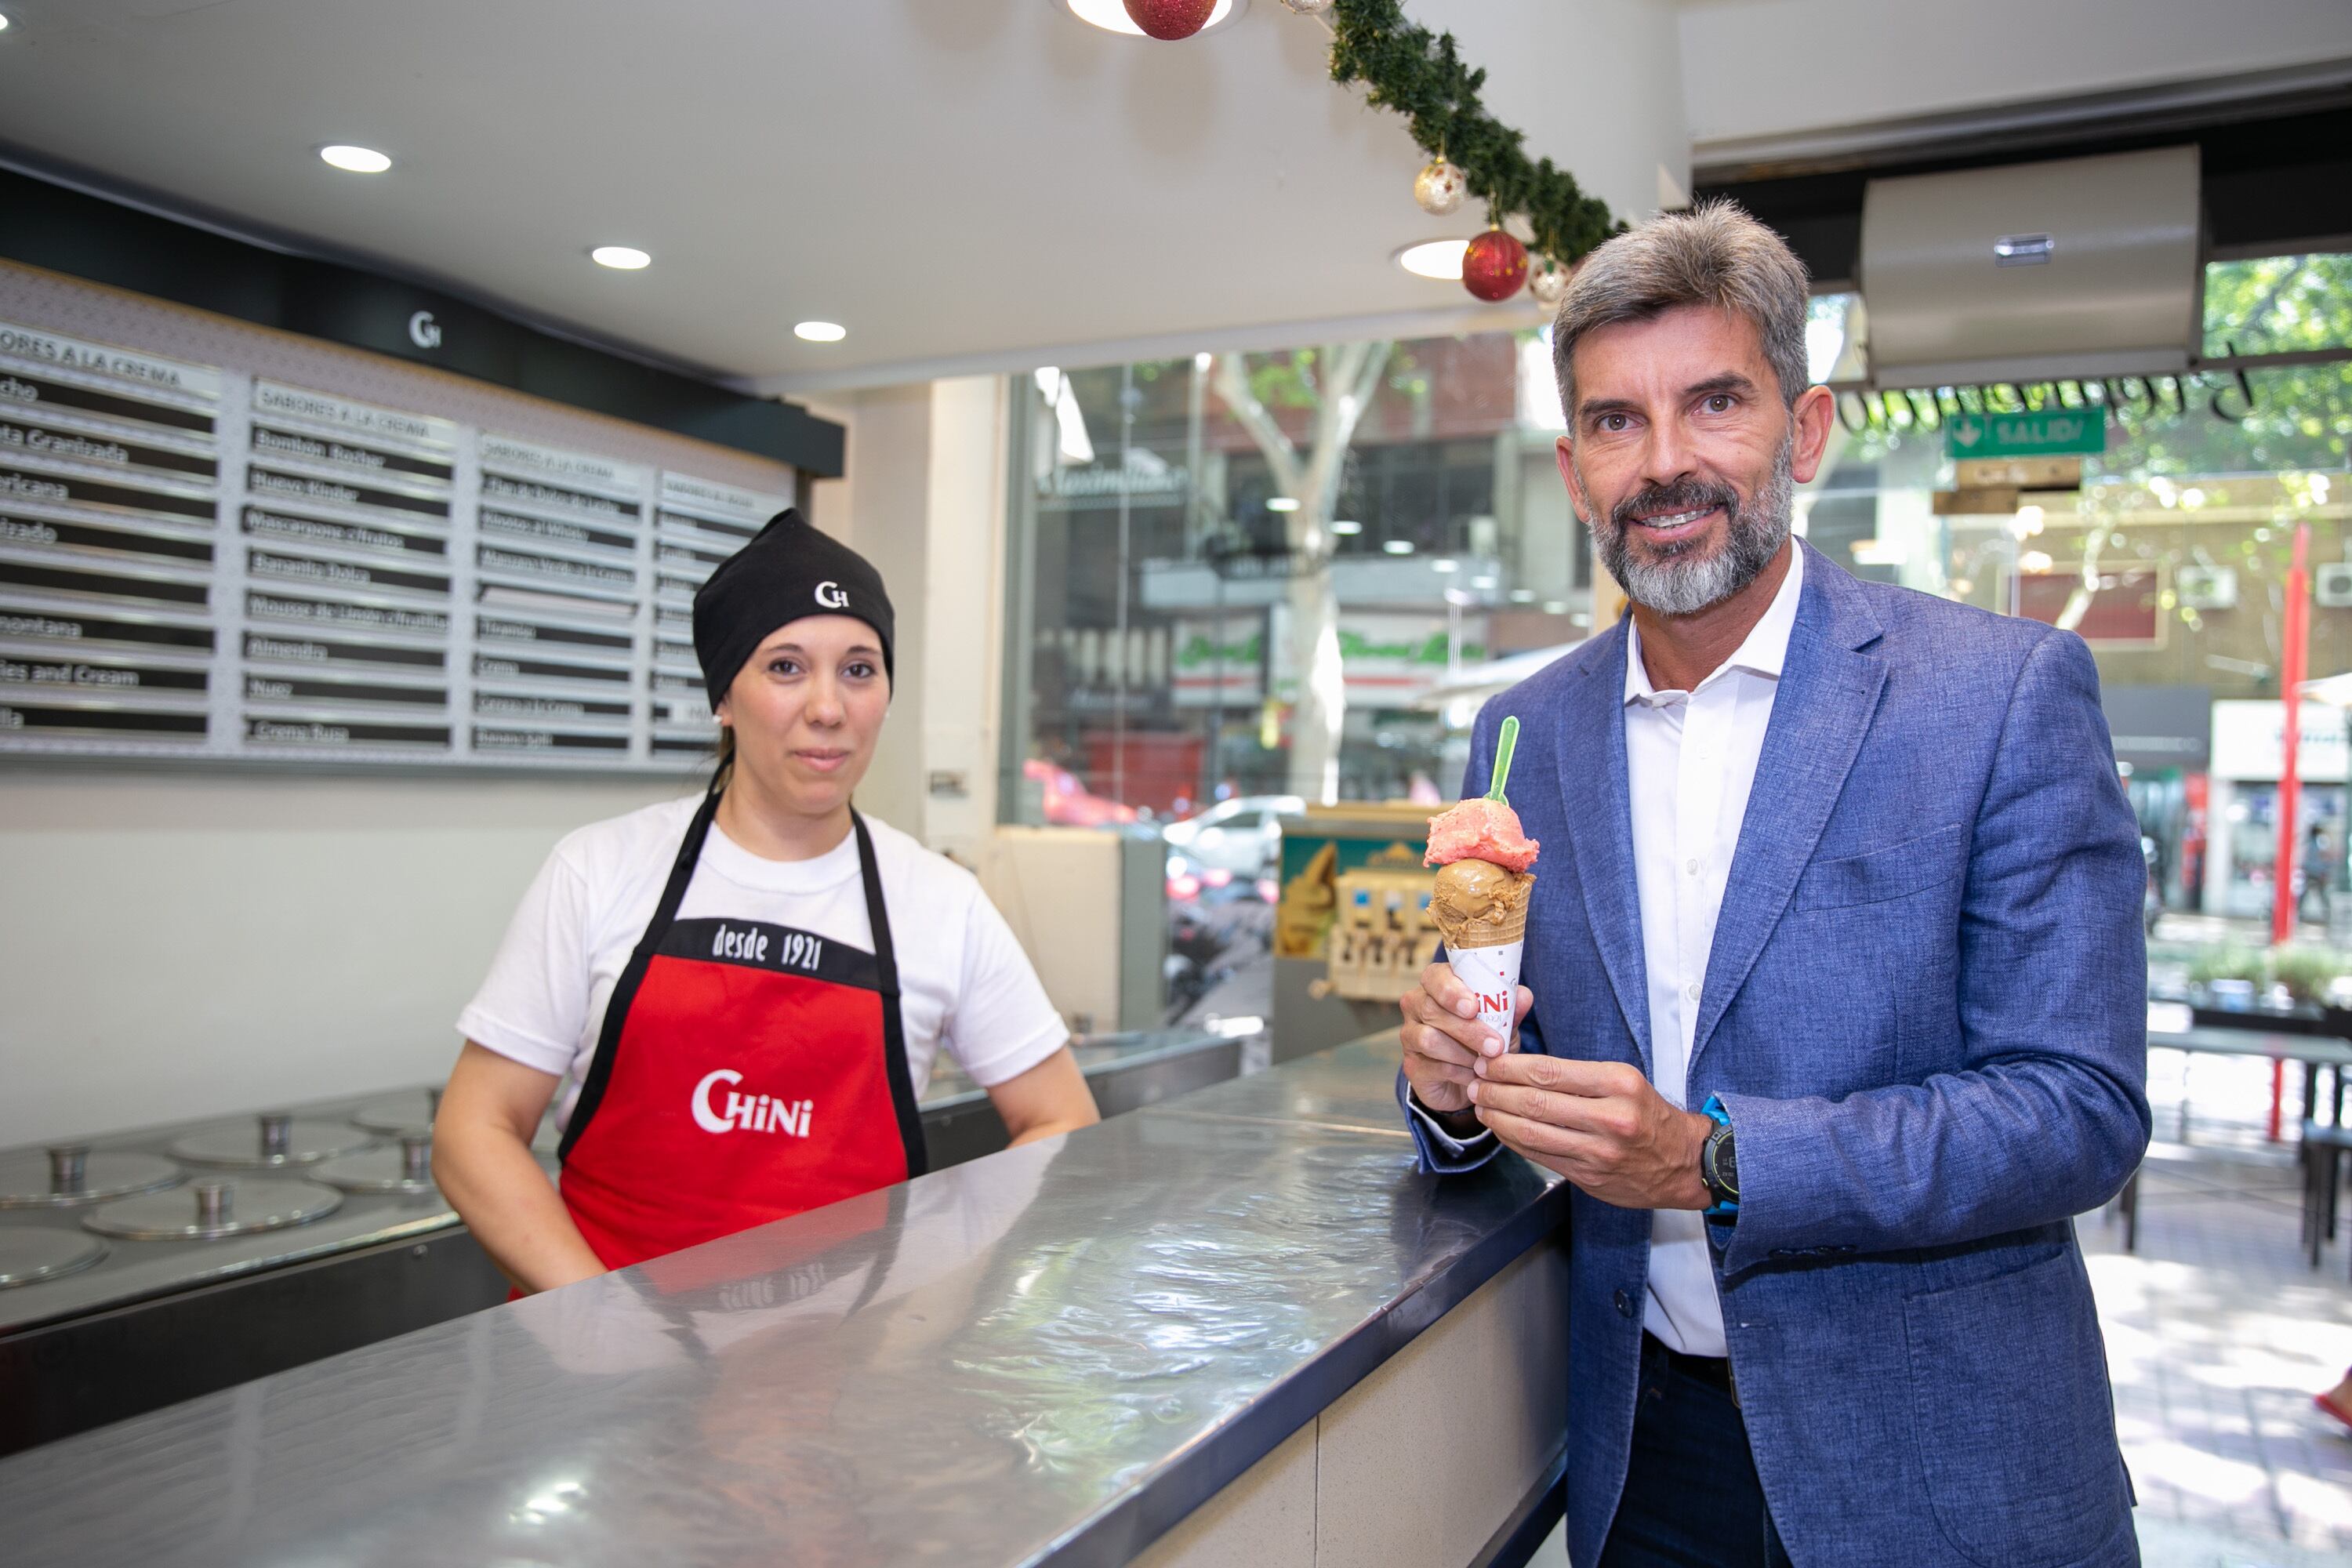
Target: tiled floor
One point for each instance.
(2219, 1334)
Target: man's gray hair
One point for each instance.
(1713, 254)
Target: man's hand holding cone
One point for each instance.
(1444, 1038)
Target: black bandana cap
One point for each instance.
(788, 573)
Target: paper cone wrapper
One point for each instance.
(1492, 974)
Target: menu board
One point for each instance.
(195, 562)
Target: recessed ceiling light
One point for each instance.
(1111, 15)
(821, 331)
(1283, 503)
(1397, 546)
(356, 160)
(620, 257)
(1440, 259)
(1347, 528)
(1446, 563)
(1523, 596)
(3, 21)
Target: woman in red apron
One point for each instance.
(752, 1058)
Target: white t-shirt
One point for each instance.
(964, 984)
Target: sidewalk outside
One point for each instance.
(2219, 1334)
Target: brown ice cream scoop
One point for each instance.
(1480, 904)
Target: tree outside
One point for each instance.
(1335, 385)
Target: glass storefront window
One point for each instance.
(1255, 576)
(1295, 574)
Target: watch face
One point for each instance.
(1721, 1169)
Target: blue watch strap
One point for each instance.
(1714, 1111)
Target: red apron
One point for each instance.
(745, 1072)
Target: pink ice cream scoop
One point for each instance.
(1479, 830)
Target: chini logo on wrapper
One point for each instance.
(748, 1113)
(1492, 974)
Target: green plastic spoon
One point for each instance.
(1505, 745)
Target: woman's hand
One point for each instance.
(1047, 1100)
(483, 1165)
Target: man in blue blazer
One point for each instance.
(1834, 1009)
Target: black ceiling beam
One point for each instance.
(71, 231)
(2270, 186)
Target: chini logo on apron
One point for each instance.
(745, 1072)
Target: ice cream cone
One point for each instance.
(1480, 903)
(1482, 911)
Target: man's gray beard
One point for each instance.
(1674, 586)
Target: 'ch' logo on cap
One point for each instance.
(833, 596)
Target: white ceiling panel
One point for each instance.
(960, 183)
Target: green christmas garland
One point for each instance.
(1420, 75)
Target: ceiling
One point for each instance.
(949, 179)
(965, 184)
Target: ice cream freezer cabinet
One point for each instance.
(143, 1267)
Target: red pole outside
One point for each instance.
(2293, 660)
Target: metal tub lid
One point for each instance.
(31, 1253)
(398, 1113)
(66, 1175)
(270, 1141)
(209, 1209)
(407, 1169)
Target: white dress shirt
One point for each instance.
(1690, 761)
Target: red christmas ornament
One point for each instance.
(1495, 267)
(1169, 20)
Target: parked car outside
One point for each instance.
(1069, 804)
(1242, 836)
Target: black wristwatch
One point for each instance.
(1718, 1163)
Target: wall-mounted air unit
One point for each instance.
(2332, 584)
(2074, 268)
(2206, 587)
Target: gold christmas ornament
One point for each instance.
(1546, 280)
(1440, 187)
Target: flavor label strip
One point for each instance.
(307, 732)
(32, 487)
(36, 533)
(79, 677)
(56, 444)
(65, 626)
(36, 722)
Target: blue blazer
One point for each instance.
(1926, 1011)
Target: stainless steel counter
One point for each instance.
(1056, 1352)
(150, 1322)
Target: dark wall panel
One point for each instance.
(48, 226)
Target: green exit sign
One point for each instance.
(2044, 433)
